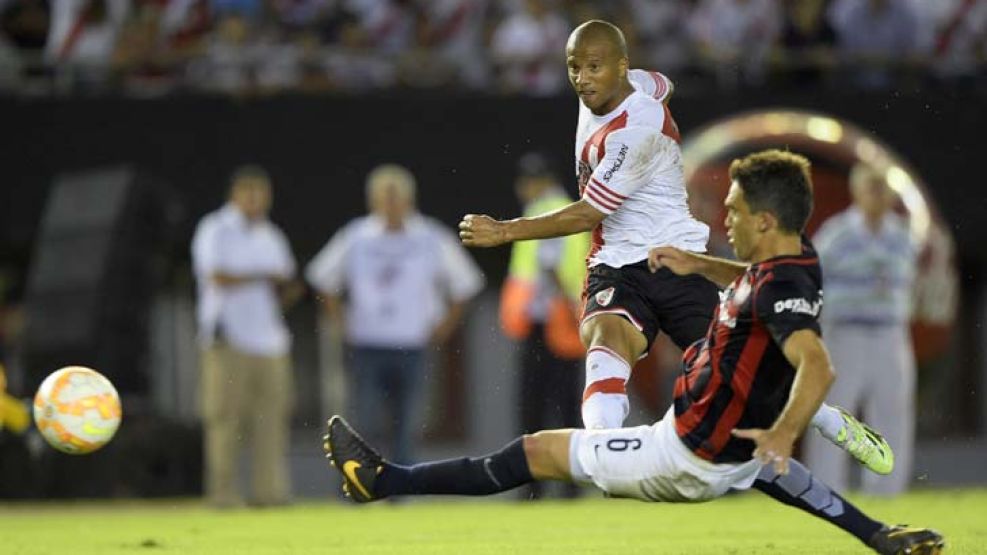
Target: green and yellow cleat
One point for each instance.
(901, 540)
(359, 463)
(865, 444)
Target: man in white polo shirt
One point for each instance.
(240, 260)
(869, 258)
(406, 280)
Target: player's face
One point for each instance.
(743, 227)
(596, 73)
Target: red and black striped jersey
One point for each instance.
(737, 375)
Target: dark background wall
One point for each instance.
(462, 149)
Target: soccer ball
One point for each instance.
(77, 410)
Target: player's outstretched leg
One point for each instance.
(368, 477)
(359, 463)
(902, 540)
(864, 444)
(800, 489)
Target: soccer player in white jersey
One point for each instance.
(633, 197)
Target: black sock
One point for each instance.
(800, 489)
(506, 469)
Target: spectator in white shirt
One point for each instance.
(734, 37)
(875, 38)
(526, 47)
(406, 280)
(454, 33)
(83, 35)
(953, 38)
(240, 259)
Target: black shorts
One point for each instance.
(680, 306)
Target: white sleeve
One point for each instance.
(652, 83)
(629, 161)
(207, 256)
(286, 260)
(460, 274)
(327, 271)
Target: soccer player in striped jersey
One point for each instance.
(633, 197)
(748, 389)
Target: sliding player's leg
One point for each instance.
(800, 489)
(368, 477)
(645, 462)
(865, 444)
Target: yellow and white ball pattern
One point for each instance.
(77, 410)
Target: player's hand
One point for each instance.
(477, 230)
(676, 260)
(773, 446)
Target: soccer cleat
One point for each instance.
(901, 540)
(359, 463)
(865, 444)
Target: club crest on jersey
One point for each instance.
(604, 297)
(585, 172)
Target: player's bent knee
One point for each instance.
(615, 333)
(547, 453)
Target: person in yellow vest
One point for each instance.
(540, 307)
(14, 416)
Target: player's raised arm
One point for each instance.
(478, 230)
(718, 270)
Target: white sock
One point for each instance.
(605, 403)
(828, 421)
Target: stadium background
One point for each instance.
(105, 279)
(319, 149)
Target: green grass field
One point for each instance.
(741, 524)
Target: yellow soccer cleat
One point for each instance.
(865, 444)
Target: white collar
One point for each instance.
(232, 215)
(857, 218)
(412, 222)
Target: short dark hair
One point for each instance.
(597, 29)
(535, 164)
(778, 182)
(248, 171)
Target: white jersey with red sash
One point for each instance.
(630, 167)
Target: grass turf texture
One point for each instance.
(749, 523)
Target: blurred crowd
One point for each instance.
(150, 47)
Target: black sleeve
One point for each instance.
(786, 306)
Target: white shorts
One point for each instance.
(651, 463)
